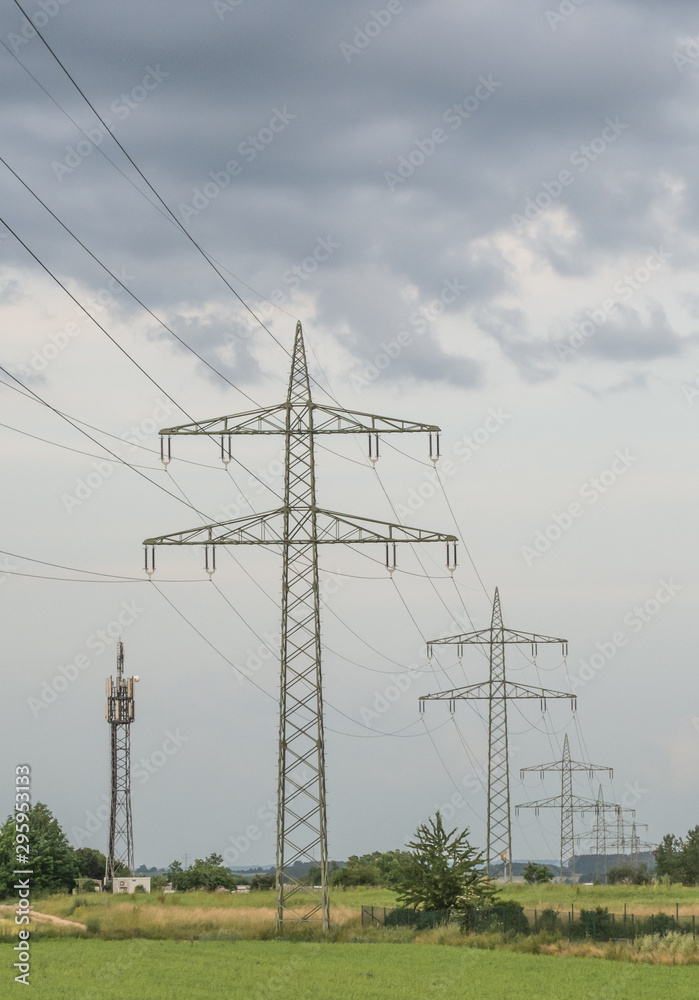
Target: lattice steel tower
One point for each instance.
(569, 803)
(497, 691)
(299, 527)
(120, 714)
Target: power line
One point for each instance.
(117, 345)
(121, 283)
(148, 183)
(139, 190)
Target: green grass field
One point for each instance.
(638, 898)
(262, 970)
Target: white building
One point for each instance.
(129, 883)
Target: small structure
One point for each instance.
(82, 883)
(129, 883)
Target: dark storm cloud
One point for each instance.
(272, 126)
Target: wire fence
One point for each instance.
(596, 925)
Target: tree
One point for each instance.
(626, 874)
(536, 873)
(677, 859)
(92, 862)
(262, 882)
(207, 874)
(53, 861)
(441, 870)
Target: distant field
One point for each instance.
(638, 898)
(261, 970)
(251, 915)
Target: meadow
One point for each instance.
(78, 969)
(197, 944)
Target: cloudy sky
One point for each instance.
(485, 216)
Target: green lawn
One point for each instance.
(258, 970)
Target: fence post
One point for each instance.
(594, 926)
(652, 925)
(633, 929)
(536, 926)
(694, 928)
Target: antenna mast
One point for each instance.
(120, 713)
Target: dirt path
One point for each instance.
(47, 918)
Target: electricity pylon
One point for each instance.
(497, 691)
(120, 713)
(299, 527)
(614, 835)
(567, 802)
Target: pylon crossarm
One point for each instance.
(335, 420)
(253, 529)
(577, 803)
(573, 765)
(485, 636)
(482, 692)
(266, 420)
(330, 527)
(335, 527)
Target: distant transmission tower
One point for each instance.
(120, 714)
(567, 802)
(299, 527)
(497, 691)
(613, 835)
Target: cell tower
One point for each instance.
(497, 691)
(567, 802)
(299, 527)
(120, 714)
